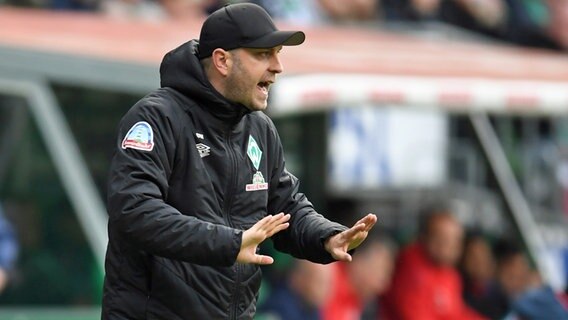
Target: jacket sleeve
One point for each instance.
(308, 230)
(137, 193)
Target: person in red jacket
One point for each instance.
(426, 284)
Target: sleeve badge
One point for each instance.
(139, 137)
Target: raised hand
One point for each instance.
(339, 244)
(260, 231)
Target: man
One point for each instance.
(357, 284)
(528, 295)
(302, 294)
(426, 284)
(480, 288)
(8, 250)
(198, 181)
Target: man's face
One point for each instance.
(558, 10)
(514, 274)
(250, 76)
(312, 282)
(478, 261)
(444, 240)
(426, 6)
(371, 270)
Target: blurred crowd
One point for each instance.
(534, 23)
(446, 272)
(9, 248)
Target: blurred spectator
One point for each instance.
(562, 179)
(547, 30)
(8, 250)
(485, 16)
(159, 10)
(558, 23)
(481, 290)
(75, 5)
(356, 284)
(354, 10)
(426, 284)
(302, 294)
(320, 11)
(67, 5)
(143, 9)
(488, 17)
(294, 11)
(529, 297)
(190, 9)
(411, 10)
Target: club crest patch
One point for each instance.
(254, 152)
(139, 137)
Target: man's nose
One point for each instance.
(275, 64)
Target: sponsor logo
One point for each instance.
(139, 137)
(199, 135)
(258, 183)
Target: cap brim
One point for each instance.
(277, 38)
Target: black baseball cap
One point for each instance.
(243, 25)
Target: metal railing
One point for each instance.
(510, 188)
(67, 158)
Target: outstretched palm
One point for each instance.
(339, 244)
(260, 231)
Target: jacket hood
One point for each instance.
(181, 70)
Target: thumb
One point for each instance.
(342, 256)
(261, 259)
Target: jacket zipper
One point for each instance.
(227, 211)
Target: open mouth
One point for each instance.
(263, 86)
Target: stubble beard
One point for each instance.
(237, 90)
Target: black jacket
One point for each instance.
(177, 211)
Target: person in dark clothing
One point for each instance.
(529, 296)
(553, 35)
(198, 181)
(481, 290)
(411, 10)
(486, 17)
(301, 294)
(9, 249)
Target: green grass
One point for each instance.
(39, 313)
(62, 313)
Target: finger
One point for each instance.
(368, 219)
(278, 220)
(348, 234)
(342, 256)
(279, 215)
(371, 221)
(281, 218)
(278, 229)
(261, 259)
(278, 225)
(269, 220)
(262, 222)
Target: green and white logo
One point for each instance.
(254, 152)
(257, 178)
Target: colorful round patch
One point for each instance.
(139, 137)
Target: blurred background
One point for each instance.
(446, 118)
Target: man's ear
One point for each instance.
(221, 61)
